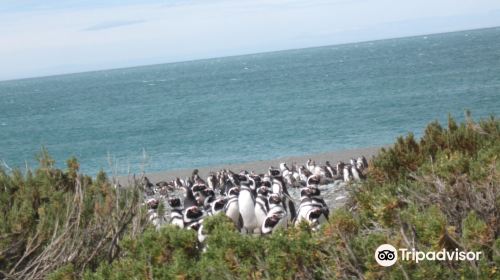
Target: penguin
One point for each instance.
(365, 162)
(356, 174)
(266, 181)
(347, 174)
(313, 210)
(276, 217)
(193, 217)
(246, 203)
(212, 182)
(199, 193)
(280, 188)
(317, 199)
(288, 177)
(178, 183)
(261, 205)
(202, 236)
(153, 203)
(310, 165)
(148, 186)
(313, 180)
(153, 216)
(316, 217)
(217, 206)
(304, 173)
(305, 205)
(331, 172)
(176, 216)
(189, 199)
(339, 171)
(232, 209)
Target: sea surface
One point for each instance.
(253, 107)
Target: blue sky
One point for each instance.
(39, 38)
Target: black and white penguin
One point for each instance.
(313, 180)
(276, 217)
(193, 216)
(267, 181)
(312, 208)
(261, 205)
(288, 176)
(304, 173)
(176, 216)
(310, 165)
(279, 187)
(189, 199)
(217, 206)
(232, 209)
(246, 203)
(356, 174)
(153, 216)
(331, 171)
(305, 205)
(318, 200)
(212, 182)
(178, 183)
(347, 173)
(149, 188)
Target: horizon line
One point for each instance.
(241, 55)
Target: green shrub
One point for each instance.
(439, 191)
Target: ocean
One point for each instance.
(252, 107)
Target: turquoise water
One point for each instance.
(252, 107)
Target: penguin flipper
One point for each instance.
(291, 207)
(240, 223)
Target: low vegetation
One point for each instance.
(440, 191)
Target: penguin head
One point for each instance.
(266, 182)
(208, 201)
(314, 214)
(193, 213)
(195, 226)
(314, 191)
(153, 203)
(174, 202)
(234, 191)
(283, 166)
(254, 182)
(198, 188)
(219, 204)
(208, 192)
(273, 172)
(271, 221)
(340, 165)
(274, 199)
(199, 198)
(305, 192)
(313, 180)
(263, 190)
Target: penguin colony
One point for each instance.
(256, 203)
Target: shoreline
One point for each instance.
(260, 166)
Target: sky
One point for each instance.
(41, 38)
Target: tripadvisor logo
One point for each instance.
(387, 255)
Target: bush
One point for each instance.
(440, 191)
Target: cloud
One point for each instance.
(145, 33)
(112, 24)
